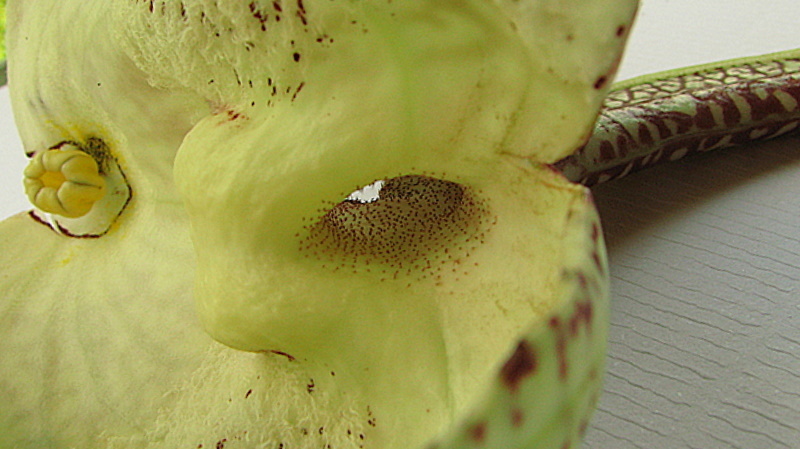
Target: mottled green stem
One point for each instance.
(668, 115)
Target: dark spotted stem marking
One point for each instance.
(668, 115)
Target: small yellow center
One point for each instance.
(64, 182)
(53, 179)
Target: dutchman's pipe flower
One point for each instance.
(242, 287)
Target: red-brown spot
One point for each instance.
(288, 356)
(68, 233)
(561, 347)
(38, 219)
(621, 30)
(520, 365)
(478, 432)
(299, 88)
(597, 262)
(583, 428)
(517, 417)
(601, 82)
(583, 281)
(583, 315)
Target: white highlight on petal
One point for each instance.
(367, 194)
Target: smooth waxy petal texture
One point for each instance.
(290, 106)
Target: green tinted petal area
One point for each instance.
(288, 265)
(412, 341)
(544, 393)
(528, 77)
(574, 48)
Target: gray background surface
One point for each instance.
(705, 338)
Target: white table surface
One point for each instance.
(705, 259)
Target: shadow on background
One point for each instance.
(655, 196)
(705, 327)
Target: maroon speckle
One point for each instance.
(478, 432)
(583, 315)
(249, 392)
(520, 365)
(598, 262)
(260, 16)
(221, 443)
(38, 219)
(277, 6)
(517, 417)
(601, 82)
(301, 12)
(583, 281)
(621, 30)
(561, 347)
(583, 428)
(299, 88)
(288, 356)
(68, 233)
(296, 57)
